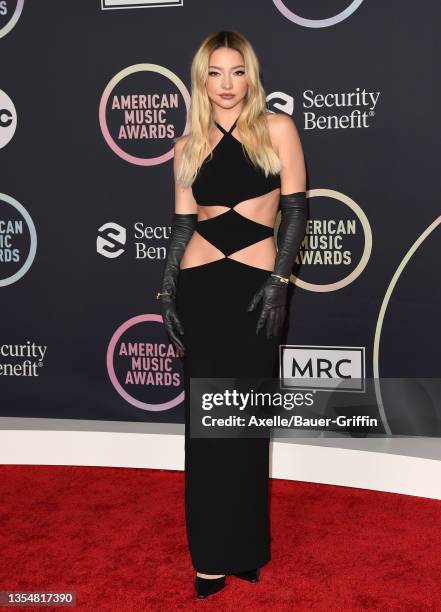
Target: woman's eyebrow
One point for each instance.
(233, 68)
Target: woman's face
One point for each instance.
(226, 81)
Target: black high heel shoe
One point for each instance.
(208, 586)
(250, 575)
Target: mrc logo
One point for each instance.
(337, 368)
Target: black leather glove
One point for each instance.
(273, 292)
(183, 225)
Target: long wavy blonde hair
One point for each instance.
(252, 122)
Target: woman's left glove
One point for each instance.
(273, 292)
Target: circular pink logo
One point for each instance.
(139, 112)
(143, 368)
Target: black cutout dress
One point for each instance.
(226, 479)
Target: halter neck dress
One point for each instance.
(226, 479)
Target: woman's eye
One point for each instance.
(237, 73)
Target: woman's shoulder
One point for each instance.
(282, 129)
(277, 122)
(180, 142)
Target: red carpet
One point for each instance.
(117, 538)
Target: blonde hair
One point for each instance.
(252, 122)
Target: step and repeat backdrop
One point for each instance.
(92, 93)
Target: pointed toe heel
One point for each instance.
(250, 575)
(208, 586)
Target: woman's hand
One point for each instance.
(171, 321)
(273, 294)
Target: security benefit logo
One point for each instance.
(140, 241)
(351, 109)
(22, 360)
(337, 244)
(142, 109)
(111, 240)
(323, 367)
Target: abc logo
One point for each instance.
(8, 118)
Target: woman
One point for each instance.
(225, 288)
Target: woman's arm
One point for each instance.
(292, 227)
(183, 225)
(286, 139)
(184, 199)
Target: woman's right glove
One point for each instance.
(183, 226)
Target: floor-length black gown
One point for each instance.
(226, 479)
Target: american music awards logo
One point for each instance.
(337, 244)
(18, 240)
(10, 11)
(133, 4)
(142, 109)
(143, 365)
(283, 7)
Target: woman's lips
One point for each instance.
(227, 96)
